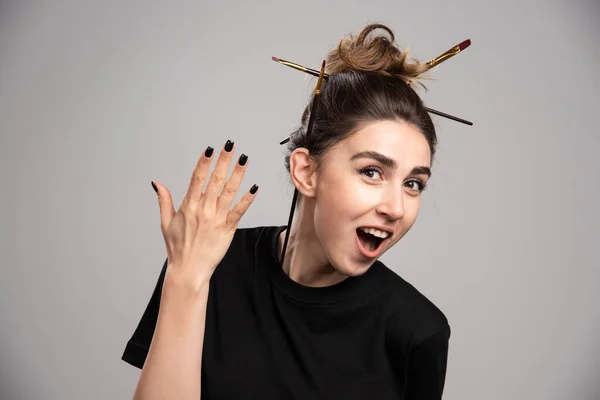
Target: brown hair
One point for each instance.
(369, 80)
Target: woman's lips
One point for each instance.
(367, 252)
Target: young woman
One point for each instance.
(228, 321)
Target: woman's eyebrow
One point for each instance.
(421, 170)
(385, 160)
(390, 162)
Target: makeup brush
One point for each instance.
(314, 72)
(436, 61)
(299, 67)
(311, 120)
(449, 53)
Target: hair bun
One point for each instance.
(374, 53)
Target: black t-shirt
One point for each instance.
(268, 337)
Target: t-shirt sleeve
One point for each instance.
(137, 347)
(427, 367)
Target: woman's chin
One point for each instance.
(355, 266)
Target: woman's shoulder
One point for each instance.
(257, 231)
(410, 307)
(247, 242)
(253, 235)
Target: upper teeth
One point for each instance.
(376, 232)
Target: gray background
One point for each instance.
(99, 98)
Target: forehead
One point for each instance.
(400, 141)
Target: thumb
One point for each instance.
(165, 204)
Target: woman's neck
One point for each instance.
(305, 261)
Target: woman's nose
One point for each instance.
(392, 205)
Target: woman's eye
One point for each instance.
(416, 186)
(369, 172)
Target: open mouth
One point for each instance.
(369, 242)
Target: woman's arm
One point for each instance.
(427, 367)
(172, 369)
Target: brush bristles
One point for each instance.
(464, 44)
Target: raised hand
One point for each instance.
(198, 235)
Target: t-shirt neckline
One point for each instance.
(308, 294)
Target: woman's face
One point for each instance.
(373, 178)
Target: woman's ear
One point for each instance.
(303, 172)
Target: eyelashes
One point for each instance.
(372, 168)
(422, 184)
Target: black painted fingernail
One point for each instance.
(243, 159)
(228, 146)
(253, 189)
(154, 186)
(208, 152)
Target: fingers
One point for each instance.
(165, 204)
(233, 218)
(194, 193)
(233, 183)
(212, 197)
(217, 178)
